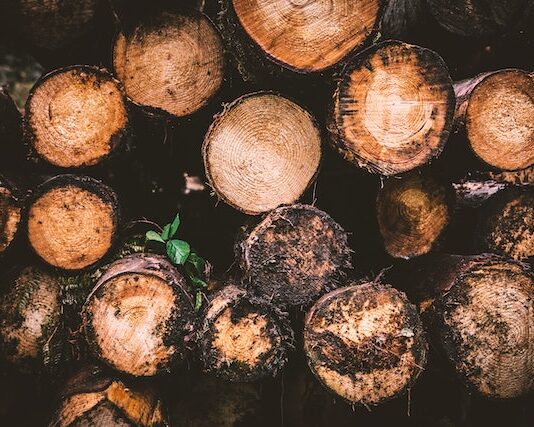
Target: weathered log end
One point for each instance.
(10, 214)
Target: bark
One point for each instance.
(475, 189)
(506, 224)
(412, 214)
(494, 110)
(139, 318)
(393, 108)
(478, 312)
(95, 397)
(261, 152)
(283, 261)
(243, 338)
(365, 342)
(89, 97)
(476, 18)
(400, 16)
(171, 63)
(73, 221)
(11, 212)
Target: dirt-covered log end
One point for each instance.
(412, 213)
(243, 339)
(261, 152)
(393, 108)
(73, 221)
(93, 397)
(365, 342)
(10, 214)
(140, 317)
(293, 255)
(506, 224)
(498, 119)
(308, 36)
(30, 321)
(172, 63)
(483, 323)
(75, 116)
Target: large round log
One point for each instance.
(293, 255)
(76, 116)
(172, 63)
(365, 342)
(306, 36)
(482, 318)
(140, 316)
(496, 111)
(94, 397)
(393, 108)
(243, 339)
(31, 321)
(73, 221)
(412, 213)
(261, 152)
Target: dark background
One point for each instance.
(149, 178)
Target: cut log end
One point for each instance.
(308, 36)
(242, 341)
(483, 323)
(507, 225)
(365, 343)
(412, 214)
(73, 221)
(261, 152)
(92, 398)
(499, 120)
(10, 215)
(30, 319)
(393, 109)
(76, 116)
(138, 316)
(175, 64)
(295, 254)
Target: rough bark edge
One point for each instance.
(116, 140)
(235, 294)
(183, 324)
(107, 194)
(332, 122)
(216, 123)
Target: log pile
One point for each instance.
(355, 221)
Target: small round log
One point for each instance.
(10, 213)
(477, 18)
(243, 339)
(306, 36)
(365, 343)
(76, 116)
(393, 108)
(412, 213)
(483, 321)
(261, 152)
(293, 255)
(73, 221)
(139, 317)
(506, 224)
(497, 110)
(174, 63)
(30, 321)
(93, 397)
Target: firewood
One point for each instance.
(11, 204)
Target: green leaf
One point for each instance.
(198, 282)
(197, 262)
(198, 301)
(178, 251)
(174, 225)
(165, 234)
(152, 235)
